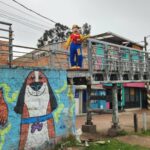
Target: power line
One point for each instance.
(34, 11)
(23, 12)
(25, 19)
(21, 22)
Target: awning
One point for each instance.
(137, 85)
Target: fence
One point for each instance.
(115, 62)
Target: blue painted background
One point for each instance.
(65, 121)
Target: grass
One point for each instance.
(141, 133)
(114, 145)
(146, 133)
(66, 142)
(122, 133)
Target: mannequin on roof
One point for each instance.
(74, 41)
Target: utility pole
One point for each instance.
(145, 43)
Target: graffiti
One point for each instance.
(4, 125)
(71, 123)
(3, 110)
(4, 129)
(39, 109)
(71, 98)
(36, 102)
(7, 90)
(60, 104)
(3, 132)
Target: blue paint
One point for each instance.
(15, 79)
(36, 119)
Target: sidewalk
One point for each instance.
(104, 121)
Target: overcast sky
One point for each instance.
(128, 18)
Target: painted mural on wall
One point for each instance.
(36, 103)
(38, 106)
(3, 110)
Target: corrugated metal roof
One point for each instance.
(116, 39)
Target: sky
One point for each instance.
(128, 18)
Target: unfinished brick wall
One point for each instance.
(4, 56)
(55, 60)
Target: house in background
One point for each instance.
(130, 95)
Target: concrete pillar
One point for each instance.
(115, 116)
(80, 101)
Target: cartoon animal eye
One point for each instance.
(32, 77)
(40, 77)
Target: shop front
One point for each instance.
(135, 95)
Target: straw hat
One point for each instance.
(75, 26)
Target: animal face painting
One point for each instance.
(36, 83)
(36, 102)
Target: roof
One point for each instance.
(116, 39)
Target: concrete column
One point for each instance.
(115, 116)
(80, 101)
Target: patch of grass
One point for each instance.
(122, 133)
(67, 142)
(141, 133)
(114, 145)
(147, 133)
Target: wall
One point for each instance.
(4, 53)
(37, 108)
(43, 59)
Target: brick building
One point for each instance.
(4, 53)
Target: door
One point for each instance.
(144, 98)
(132, 97)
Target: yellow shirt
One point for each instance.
(82, 38)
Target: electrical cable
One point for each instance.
(34, 11)
(21, 22)
(25, 19)
(23, 12)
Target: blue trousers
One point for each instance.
(76, 57)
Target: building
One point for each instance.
(130, 95)
(4, 53)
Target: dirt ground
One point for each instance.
(104, 121)
(135, 140)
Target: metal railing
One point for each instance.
(8, 39)
(114, 62)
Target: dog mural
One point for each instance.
(36, 102)
(3, 110)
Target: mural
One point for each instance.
(36, 102)
(41, 108)
(3, 110)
